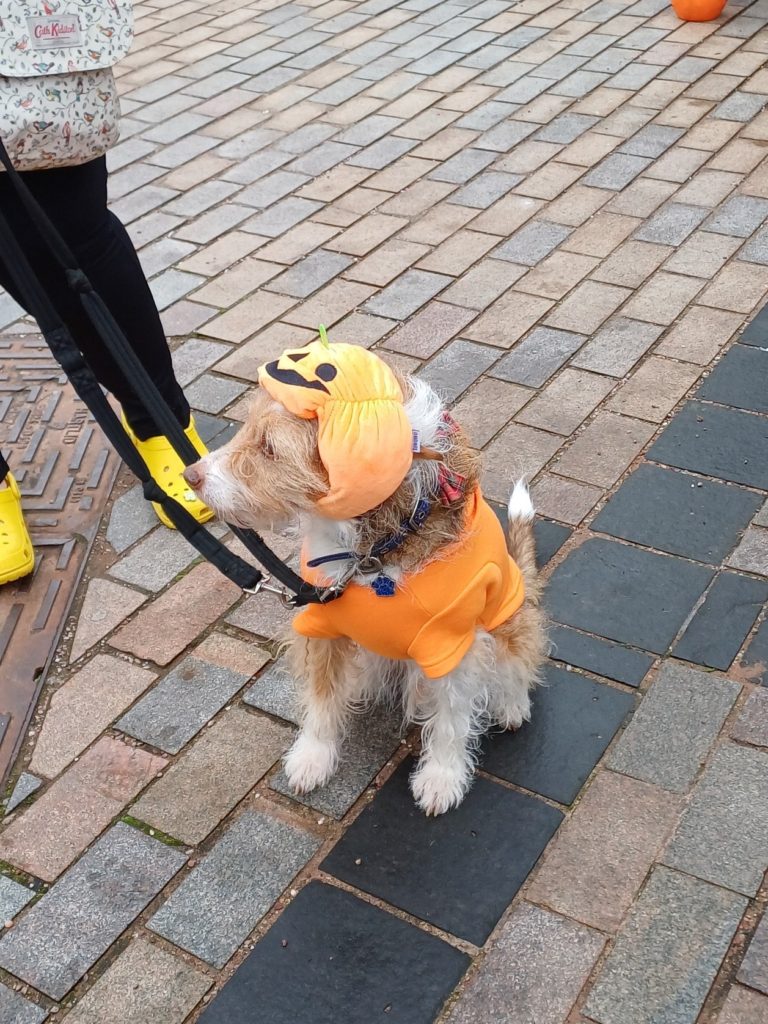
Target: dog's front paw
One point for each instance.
(439, 788)
(310, 763)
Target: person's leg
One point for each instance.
(75, 199)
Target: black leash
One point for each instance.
(83, 380)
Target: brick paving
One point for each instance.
(554, 212)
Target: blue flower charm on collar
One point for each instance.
(384, 586)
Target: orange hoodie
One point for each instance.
(433, 615)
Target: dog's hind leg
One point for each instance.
(324, 670)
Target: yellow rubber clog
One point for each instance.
(166, 467)
(17, 557)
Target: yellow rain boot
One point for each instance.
(166, 467)
(17, 558)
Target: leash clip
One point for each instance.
(266, 586)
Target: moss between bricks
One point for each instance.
(150, 830)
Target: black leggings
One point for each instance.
(75, 199)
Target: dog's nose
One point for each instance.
(194, 475)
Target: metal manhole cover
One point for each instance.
(65, 470)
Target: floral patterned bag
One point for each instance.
(58, 100)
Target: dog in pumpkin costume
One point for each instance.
(438, 604)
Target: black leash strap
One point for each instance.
(68, 355)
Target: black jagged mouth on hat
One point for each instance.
(294, 378)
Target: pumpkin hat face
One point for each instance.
(364, 437)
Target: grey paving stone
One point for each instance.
(15, 1009)
(653, 140)
(26, 785)
(740, 106)
(275, 692)
(383, 152)
(739, 216)
(752, 724)
(611, 60)
(220, 903)
(463, 166)
(213, 394)
(531, 243)
(722, 836)
(616, 171)
(178, 707)
(283, 215)
(540, 353)
(721, 625)
(671, 225)
(756, 331)
(371, 739)
(521, 36)
(674, 512)
(613, 661)
(63, 935)
(668, 953)
(579, 83)
(560, 66)
(524, 90)
(457, 366)
(566, 128)
(406, 294)
(485, 189)
(310, 274)
(755, 658)
(672, 731)
(369, 130)
(617, 346)
(267, 191)
(533, 971)
(754, 967)
(505, 136)
(689, 69)
(643, 38)
(323, 157)
(155, 561)
(756, 249)
(195, 356)
(13, 898)
(486, 115)
(724, 443)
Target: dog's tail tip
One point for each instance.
(520, 507)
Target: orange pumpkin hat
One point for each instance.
(364, 437)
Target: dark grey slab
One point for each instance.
(721, 625)
(754, 967)
(721, 836)
(755, 657)
(458, 871)
(330, 958)
(572, 722)
(549, 536)
(681, 514)
(627, 594)
(740, 379)
(756, 331)
(668, 953)
(599, 656)
(62, 936)
(717, 442)
(220, 903)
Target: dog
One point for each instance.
(278, 470)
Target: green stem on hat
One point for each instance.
(323, 336)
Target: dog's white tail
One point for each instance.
(522, 545)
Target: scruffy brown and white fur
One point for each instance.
(270, 474)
